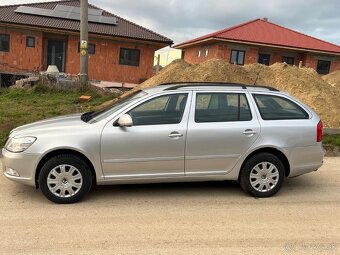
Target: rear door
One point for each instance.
(222, 127)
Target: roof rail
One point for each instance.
(178, 85)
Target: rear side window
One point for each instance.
(161, 110)
(279, 108)
(221, 107)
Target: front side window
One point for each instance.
(4, 42)
(288, 60)
(237, 57)
(167, 109)
(129, 57)
(323, 66)
(221, 107)
(279, 108)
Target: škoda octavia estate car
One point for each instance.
(170, 133)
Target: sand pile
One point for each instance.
(305, 84)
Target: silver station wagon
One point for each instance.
(179, 132)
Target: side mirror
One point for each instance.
(125, 121)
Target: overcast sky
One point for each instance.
(182, 20)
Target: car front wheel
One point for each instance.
(65, 179)
(262, 175)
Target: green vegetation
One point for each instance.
(19, 107)
(331, 140)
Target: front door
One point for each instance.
(56, 53)
(154, 146)
(221, 129)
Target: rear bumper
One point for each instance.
(23, 164)
(306, 159)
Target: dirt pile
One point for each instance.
(316, 91)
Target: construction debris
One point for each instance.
(83, 99)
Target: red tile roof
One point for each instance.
(124, 28)
(267, 33)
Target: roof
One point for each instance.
(261, 31)
(124, 28)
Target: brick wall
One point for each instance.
(104, 64)
(335, 65)
(223, 50)
(20, 58)
(191, 54)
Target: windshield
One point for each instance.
(95, 116)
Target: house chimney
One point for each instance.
(265, 19)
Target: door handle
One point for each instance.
(175, 135)
(249, 132)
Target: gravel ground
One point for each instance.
(188, 218)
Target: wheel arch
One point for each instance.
(56, 152)
(279, 154)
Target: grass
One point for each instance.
(19, 107)
(331, 140)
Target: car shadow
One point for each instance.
(200, 191)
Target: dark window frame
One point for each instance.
(306, 114)
(9, 42)
(237, 56)
(284, 58)
(88, 48)
(324, 61)
(129, 62)
(28, 40)
(263, 54)
(225, 93)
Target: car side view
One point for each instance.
(178, 132)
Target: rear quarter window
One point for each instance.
(278, 108)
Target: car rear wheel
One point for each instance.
(262, 175)
(65, 179)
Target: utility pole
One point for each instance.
(84, 58)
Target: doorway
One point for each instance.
(56, 53)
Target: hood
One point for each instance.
(61, 122)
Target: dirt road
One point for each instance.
(199, 218)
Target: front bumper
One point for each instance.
(24, 164)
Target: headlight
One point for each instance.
(19, 144)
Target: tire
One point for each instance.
(262, 175)
(65, 179)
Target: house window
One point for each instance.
(91, 48)
(237, 57)
(199, 53)
(206, 52)
(4, 42)
(30, 42)
(323, 66)
(288, 60)
(129, 57)
(264, 59)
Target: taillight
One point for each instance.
(319, 131)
